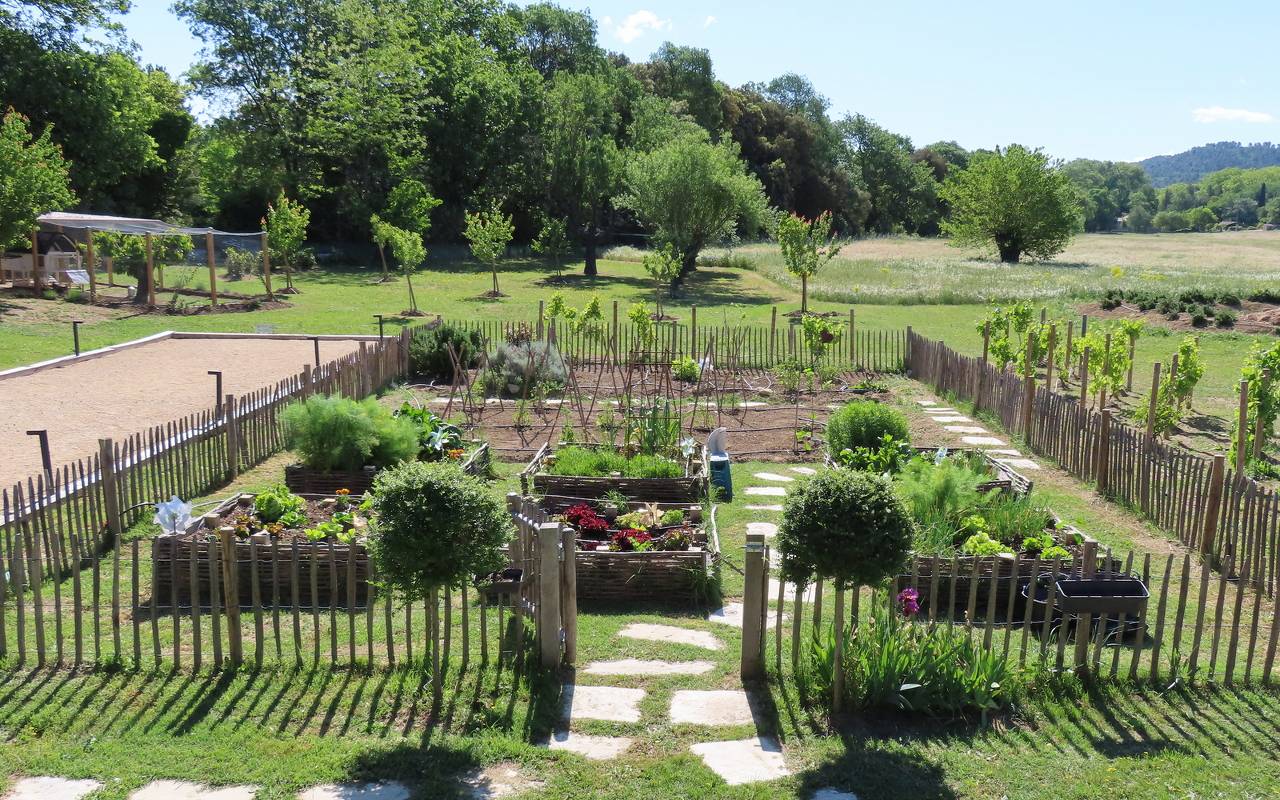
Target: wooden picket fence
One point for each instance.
(1196, 627)
(1204, 503)
(729, 347)
(73, 512)
(106, 610)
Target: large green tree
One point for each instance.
(901, 190)
(691, 194)
(33, 179)
(1015, 200)
(685, 74)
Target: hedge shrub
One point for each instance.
(339, 434)
(429, 350)
(863, 423)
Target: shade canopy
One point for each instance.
(64, 221)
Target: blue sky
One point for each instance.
(1118, 81)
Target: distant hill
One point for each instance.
(1197, 162)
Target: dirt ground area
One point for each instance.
(1251, 317)
(127, 391)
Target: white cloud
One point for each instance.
(637, 24)
(1220, 114)
(710, 20)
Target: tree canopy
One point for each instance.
(33, 179)
(1016, 201)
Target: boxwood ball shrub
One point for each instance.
(848, 526)
(339, 434)
(435, 526)
(863, 423)
(429, 350)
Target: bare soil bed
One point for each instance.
(126, 391)
(1251, 317)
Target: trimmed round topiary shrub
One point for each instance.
(429, 350)
(435, 526)
(844, 525)
(863, 423)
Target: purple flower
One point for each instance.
(909, 602)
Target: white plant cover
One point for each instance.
(174, 515)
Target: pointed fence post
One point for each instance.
(753, 609)
(1213, 505)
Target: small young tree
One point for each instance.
(807, 245)
(407, 249)
(663, 265)
(33, 180)
(286, 226)
(409, 206)
(552, 242)
(489, 233)
(1015, 199)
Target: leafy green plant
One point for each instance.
(336, 433)
(673, 516)
(652, 429)
(292, 519)
(429, 350)
(819, 334)
(1055, 552)
(519, 369)
(685, 369)
(981, 544)
(1011, 519)
(888, 458)
(1264, 396)
(489, 232)
(274, 503)
(806, 246)
(437, 440)
(864, 423)
(324, 531)
(600, 462)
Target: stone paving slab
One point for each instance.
(789, 591)
(44, 787)
(357, 791)
(669, 633)
(731, 614)
(596, 748)
(973, 429)
(763, 508)
(635, 666)
(951, 418)
(926, 402)
(941, 410)
(773, 476)
(1019, 463)
(980, 441)
(745, 761)
(767, 529)
(765, 491)
(711, 707)
(803, 470)
(608, 703)
(498, 780)
(185, 790)
(1004, 452)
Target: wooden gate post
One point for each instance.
(211, 256)
(110, 489)
(1213, 506)
(1050, 358)
(1242, 430)
(569, 592)
(753, 609)
(1259, 430)
(266, 266)
(231, 594)
(1103, 462)
(1152, 401)
(233, 437)
(1029, 388)
(549, 593)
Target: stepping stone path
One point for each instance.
(789, 591)
(669, 633)
(731, 614)
(926, 402)
(765, 491)
(185, 790)
(745, 761)
(596, 748)
(974, 429)
(763, 508)
(1019, 463)
(715, 707)
(608, 703)
(951, 418)
(47, 788)
(766, 529)
(497, 780)
(981, 441)
(633, 666)
(803, 470)
(978, 436)
(357, 791)
(775, 477)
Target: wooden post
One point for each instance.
(542, 315)
(110, 491)
(1066, 353)
(1106, 370)
(211, 256)
(568, 593)
(37, 281)
(233, 437)
(1029, 387)
(1084, 378)
(852, 345)
(982, 367)
(1152, 401)
(615, 326)
(266, 266)
(837, 659)
(231, 595)
(1050, 359)
(111, 271)
(1213, 506)
(753, 609)
(1259, 431)
(151, 272)
(549, 593)
(773, 332)
(1133, 344)
(1242, 430)
(91, 266)
(1103, 461)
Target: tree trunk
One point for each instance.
(144, 286)
(804, 294)
(383, 255)
(688, 263)
(1010, 251)
(590, 270)
(413, 301)
(495, 281)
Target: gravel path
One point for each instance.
(124, 392)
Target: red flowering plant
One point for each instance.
(587, 521)
(631, 540)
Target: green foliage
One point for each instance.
(940, 493)
(437, 439)
(552, 241)
(275, 503)
(429, 350)
(845, 525)
(286, 226)
(864, 423)
(1105, 371)
(663, 266)
(339, 434)
(1015, 199)
(901, 192)
(33, 180)
(820, 334)
(652, 428)
(434, 527)
(489, 232)
(1011, 519)
(685, 369)
(1264, 395)
(406, 247)
(806, 246)
(239, 262)
(887, 458)
(518, 370)
(693, 194)
(603, 461)
(981, 544)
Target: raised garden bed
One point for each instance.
(1004, 478)
(608, 573)
(304, 480)
(687, 489)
